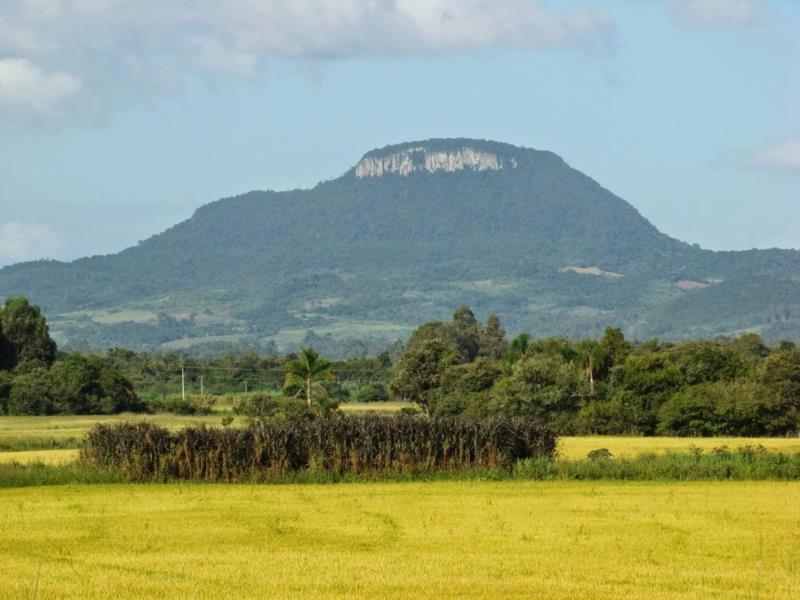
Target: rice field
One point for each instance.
(443, 540)
(63, 431)
(575, 447)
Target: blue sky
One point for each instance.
(118, 119)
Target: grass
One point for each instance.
(744, 464)
(465, 540)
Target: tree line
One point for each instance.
(37, 379)
(730, 386)
(737, 386)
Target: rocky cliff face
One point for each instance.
(410, 160)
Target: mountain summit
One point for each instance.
(407, 234)
(437, 155)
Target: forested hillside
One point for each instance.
(411, 231)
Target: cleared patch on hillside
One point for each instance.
(596, 271)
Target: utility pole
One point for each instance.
(183, 383)
(201, 386)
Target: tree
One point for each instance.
(6, 381)
(27, 337)
(493, 342)
(781, 372)
(725, 408)
(751, 346)
(466, 332)
(91, 385)
(465, 388)
(308, 372)
(544, 387)
(517, 348)
(33, 393)
(7, 354)
(372, 392)
(615, 350)
(418, 372)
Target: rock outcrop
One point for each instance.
(409, 160)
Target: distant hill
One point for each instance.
(406, 235)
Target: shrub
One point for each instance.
(373, 392)
(274, 408)
(600, 454)
(337, 445)
(193, 405)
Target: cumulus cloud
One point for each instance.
(25, 88)
(27, 241)
(714, 13)
(783, 155)
(127, 47)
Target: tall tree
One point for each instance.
(467, 332)
(418, 372)
(493, 342)
(543, 387)
(308, 372)
(25, 329)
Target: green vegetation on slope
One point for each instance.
(378, 254)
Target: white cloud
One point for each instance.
(116, 48)
(27, 241)
(783, 155)
(714, 13)
(27, 89)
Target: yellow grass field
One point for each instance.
(441, 540)
(75, 427)
(622, 447)
(48, 457)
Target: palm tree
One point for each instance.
(308, 372)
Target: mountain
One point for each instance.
(406, 235)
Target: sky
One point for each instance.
(119, 118)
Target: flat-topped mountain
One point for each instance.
(407, 159)
(407, 234)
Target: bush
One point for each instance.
(337, 445)
(274, 408)
(373, 392)
(193, 405)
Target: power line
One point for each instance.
(271, 370)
